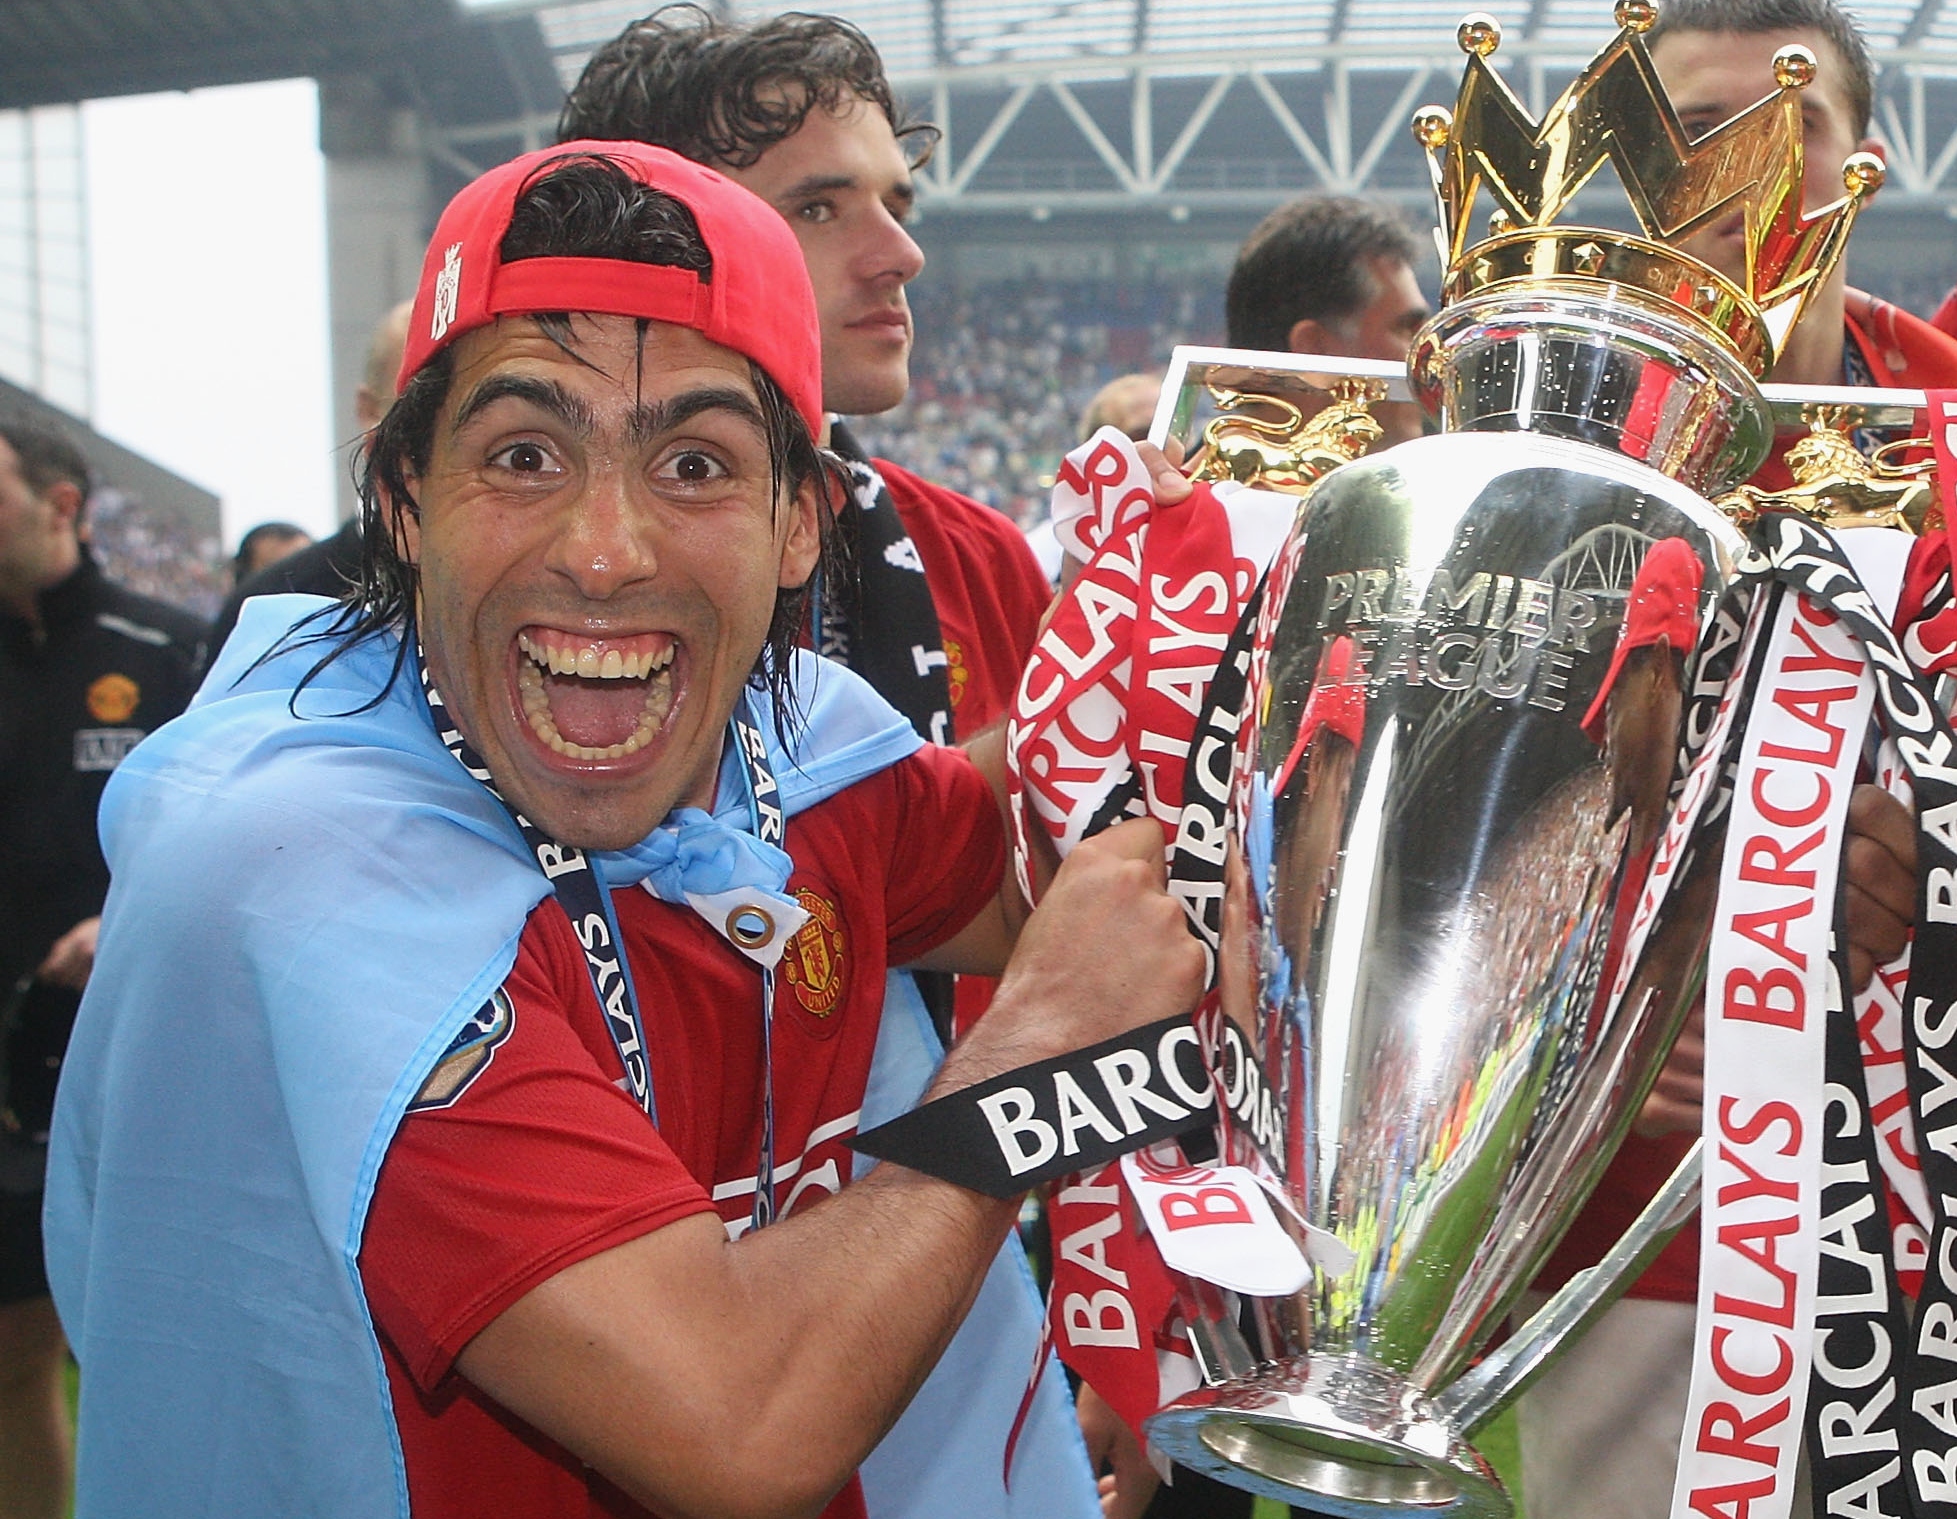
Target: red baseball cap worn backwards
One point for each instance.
(1663, 608)
(1337, 702)
(757, 302)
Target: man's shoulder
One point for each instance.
(147, 621)
(318, 569)
(926, 770)
(325, 568)
(1907, 348)
(913, 493)
(988, 545)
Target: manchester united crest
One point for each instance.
(814, 960)
(957, 672)
(113, 699)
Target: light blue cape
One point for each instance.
(304, 911)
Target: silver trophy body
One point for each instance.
(1437, 1022)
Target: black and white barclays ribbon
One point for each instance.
(1842, 1306)
(1035, 1125)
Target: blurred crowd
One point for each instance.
(156, 554)
(1001, 374)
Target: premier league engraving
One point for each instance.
(1476, 833)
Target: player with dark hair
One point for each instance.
(86, 669)
(1715, 58)
(539, 900)
(1324, 270)
(945, 598)
(1331, 274)
(724, 94)
(798, 109)
(1846, 62)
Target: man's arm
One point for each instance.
(72, 958)
(751, 1378)
(1879, 869)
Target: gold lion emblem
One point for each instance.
(813, 961)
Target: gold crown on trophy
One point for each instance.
(1617, 111)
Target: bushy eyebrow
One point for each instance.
(647, 421)
(545, 395)
(818, 184)
(822, 184)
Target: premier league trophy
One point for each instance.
(1468, 900)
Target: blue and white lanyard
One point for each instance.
(581, 891)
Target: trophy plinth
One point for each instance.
(1338, 1431)
(1599, 365)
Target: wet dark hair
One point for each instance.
(576, 206)
(723, 93)
(1750, 18)
(1307, 261)
(47, 456)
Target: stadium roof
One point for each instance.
(921, 38)
(1048, 105)
(1083, 105)
(459, 65)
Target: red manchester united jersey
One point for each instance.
(986, 585)
(990, 593)
(524, 1154)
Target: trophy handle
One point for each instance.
(1478, 1395)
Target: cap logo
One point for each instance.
(447, 284)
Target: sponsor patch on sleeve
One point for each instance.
(98, 750)
(469, 1055)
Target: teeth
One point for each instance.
(536, 705)
(588, 664)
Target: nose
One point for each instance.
(603, 543)
(892, 251)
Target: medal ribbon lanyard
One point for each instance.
(581, 890)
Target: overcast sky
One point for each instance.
(207, 232)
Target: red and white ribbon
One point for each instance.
(1766, 996)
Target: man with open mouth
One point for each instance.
(540, 901)
(943, 599)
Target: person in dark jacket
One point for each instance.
(87, 668)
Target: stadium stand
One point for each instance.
(1001, 372)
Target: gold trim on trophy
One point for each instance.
(1616, 111)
